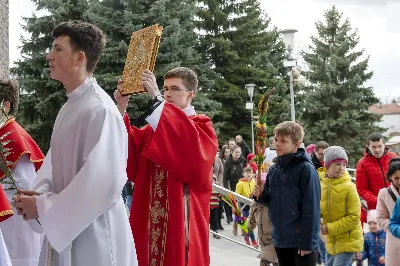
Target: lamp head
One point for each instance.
(250, 89)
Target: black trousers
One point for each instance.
(214, 219)
(231, 185)
(290, 257)
(220, 210)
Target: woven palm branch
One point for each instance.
(261, 132)
(4, 153)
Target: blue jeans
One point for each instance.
(341, 259)
(251, 233)
(124, 195)
(322, 250)
(129, 201)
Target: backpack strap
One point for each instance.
(392, 194)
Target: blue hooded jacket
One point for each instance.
(292, 194)
(374, 247)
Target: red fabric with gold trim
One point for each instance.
(160, 163)
(5, 206)
(21, 143)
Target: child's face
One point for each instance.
(396, 178)
(247, 175)
(284, 145)
(336, 169)
(373, 227)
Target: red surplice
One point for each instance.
(20, 143)
(177, 156)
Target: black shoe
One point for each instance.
(220, 228)
(216, 236)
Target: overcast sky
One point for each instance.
(377, 21)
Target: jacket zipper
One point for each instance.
(383, 174)
(330, 217)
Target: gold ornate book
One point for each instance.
(142, 53)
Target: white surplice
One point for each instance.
(22, 242)
(4, 256)
(81, 209)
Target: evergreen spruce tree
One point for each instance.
(177, 48)
(42, 97)
(118, 19)
(237, 40)
(336, 104)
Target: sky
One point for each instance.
(377, 22)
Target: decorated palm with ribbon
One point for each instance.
(237, 211)
(261, 133)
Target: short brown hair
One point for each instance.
(290, 129)
(9, 91)
(247, 169)
(188, 76)
(83, 37)
(321, 145)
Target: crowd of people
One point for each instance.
(69, 204)
(315, 211)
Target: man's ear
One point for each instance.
(192, 95)
(81, 58)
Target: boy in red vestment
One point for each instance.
(170, 161)
(23, 244)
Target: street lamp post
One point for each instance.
(290, 63)
(250, 105)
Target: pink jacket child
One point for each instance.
(385, 204)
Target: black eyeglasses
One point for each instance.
(174, 89)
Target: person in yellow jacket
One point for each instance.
(245, 188)
(340, 209)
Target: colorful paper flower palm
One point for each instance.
(239, 218)
(261, 133)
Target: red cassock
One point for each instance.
(21, 144)
(177, 156)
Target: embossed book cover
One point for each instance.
(142, 53)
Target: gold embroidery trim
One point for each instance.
(7, 212)
(157, 211)
(155, 234)
(11, 119)
(19, 157)
(157, 187)
(164, 241)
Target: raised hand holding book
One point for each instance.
(142, 53)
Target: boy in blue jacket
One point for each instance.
(292, 194)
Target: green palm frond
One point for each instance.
(5, 164)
